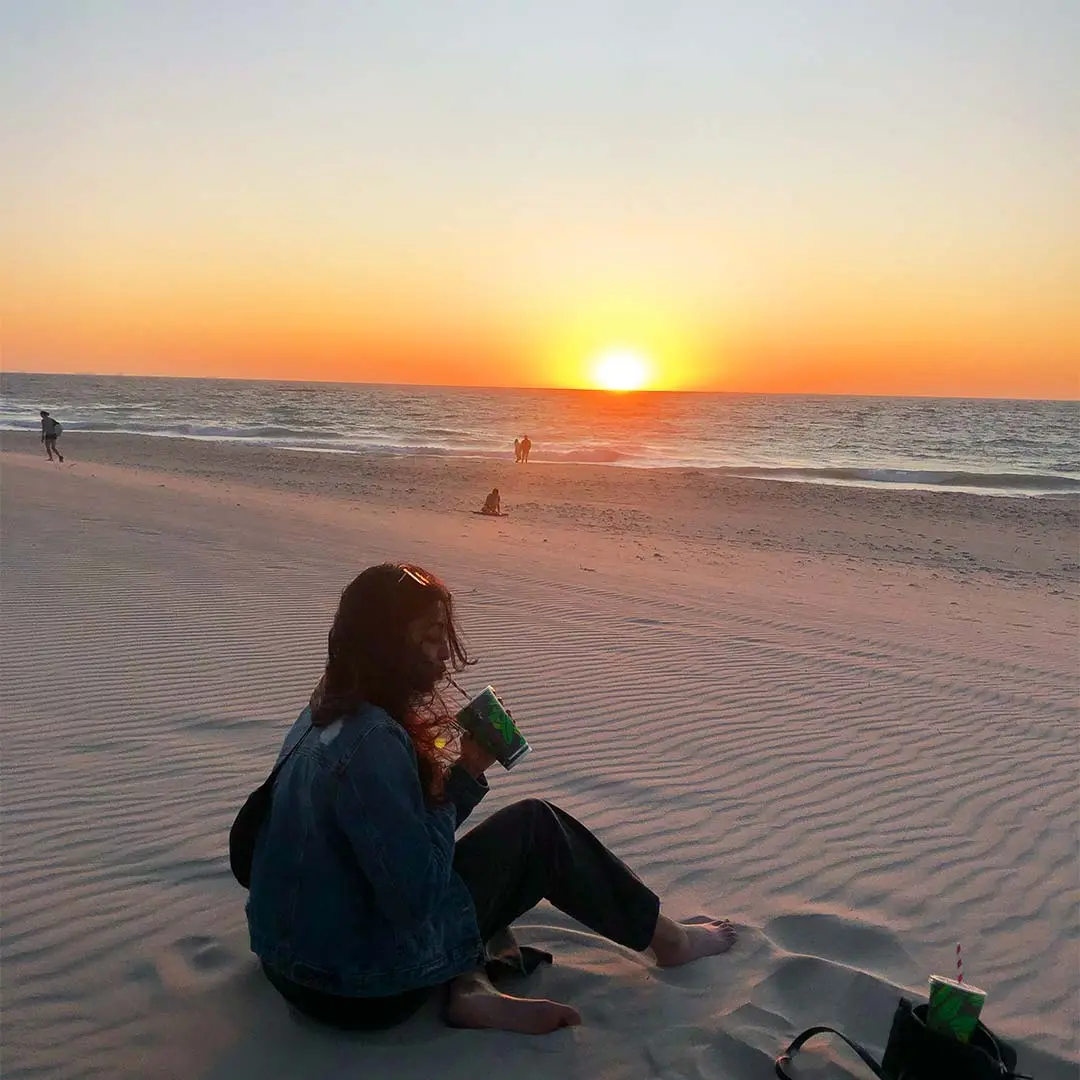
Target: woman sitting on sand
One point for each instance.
(492, 504)
(361, 900)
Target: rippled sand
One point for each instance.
(806, 711)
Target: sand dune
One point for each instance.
(858, 772)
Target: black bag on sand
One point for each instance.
(915, 1052)
(248, 822)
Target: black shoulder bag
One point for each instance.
(245, 829)
(916, 1052)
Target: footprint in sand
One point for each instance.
(187, 963)
(855, 943)
(845, 972)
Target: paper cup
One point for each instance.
(485, 718)
(954, 1007)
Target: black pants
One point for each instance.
(528, 852)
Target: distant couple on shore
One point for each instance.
(522, 447)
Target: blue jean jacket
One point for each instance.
(353, 889)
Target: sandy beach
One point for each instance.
(844, 718)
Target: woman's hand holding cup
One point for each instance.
(474, 758)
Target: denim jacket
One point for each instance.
(353, 889)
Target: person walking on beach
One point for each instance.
(51, 430)
(362, 900)
(526, 446)
(517, 449)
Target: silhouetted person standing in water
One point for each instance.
(50, 432)
(517, 449)
(526, 446)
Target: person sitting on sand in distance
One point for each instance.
(362, 901)
(526, 446)
(517, 449)
(50, 432)
(492, 504)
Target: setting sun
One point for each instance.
(620, 369)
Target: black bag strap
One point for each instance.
(809, 1033)
(269, 781)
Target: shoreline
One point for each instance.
(959, 536)
(1002, 447)
(955, 479)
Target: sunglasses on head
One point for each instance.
(417, 575)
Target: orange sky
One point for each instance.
(355, 201)
(258, 325)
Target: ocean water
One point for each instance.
(987, 446)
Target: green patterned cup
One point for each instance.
(954, 1007)
(485, 718)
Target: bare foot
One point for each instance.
(475, 1003)
(679, 943)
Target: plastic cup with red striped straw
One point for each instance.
(954, 1004)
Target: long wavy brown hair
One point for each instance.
(372, 658)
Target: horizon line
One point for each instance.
(554, 389)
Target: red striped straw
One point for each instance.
(959, 965)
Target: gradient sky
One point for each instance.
(850, 197)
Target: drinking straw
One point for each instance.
(959, 965)
(454, 720)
